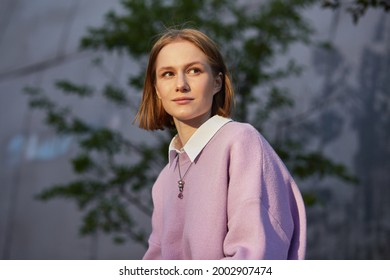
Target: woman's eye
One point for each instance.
(194, 71)
(167, 74)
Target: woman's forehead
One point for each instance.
(180, 52)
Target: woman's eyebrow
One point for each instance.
(185, 66)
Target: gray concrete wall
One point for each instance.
(39, 44)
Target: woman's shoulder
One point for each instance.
(235, 133)
(240, 130)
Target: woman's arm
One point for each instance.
(266, 218)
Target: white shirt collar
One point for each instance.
(199, 139)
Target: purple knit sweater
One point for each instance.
(239, 202)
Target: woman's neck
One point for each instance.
(185, 129)
(185, 133)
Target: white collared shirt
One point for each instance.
(199, 139)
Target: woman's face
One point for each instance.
(185, 83)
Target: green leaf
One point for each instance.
(70, 88)
(115, 95)
(103, 140)
(82, 163)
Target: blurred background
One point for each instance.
(312, 76)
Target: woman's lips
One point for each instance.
(182, 100)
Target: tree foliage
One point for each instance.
(113, 173)
(357, 8)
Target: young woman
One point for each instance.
(224, 193)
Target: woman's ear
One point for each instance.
(218, 83)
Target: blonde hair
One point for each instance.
(151, 114)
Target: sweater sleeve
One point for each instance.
(260, 212)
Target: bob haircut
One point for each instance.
(151, 114)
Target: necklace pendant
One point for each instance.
(180, 184)
(181, 187)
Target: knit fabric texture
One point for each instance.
(239, 202)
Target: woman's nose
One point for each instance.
(182, 84)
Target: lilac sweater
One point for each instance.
(239, 202)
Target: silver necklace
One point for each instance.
(180, 183)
